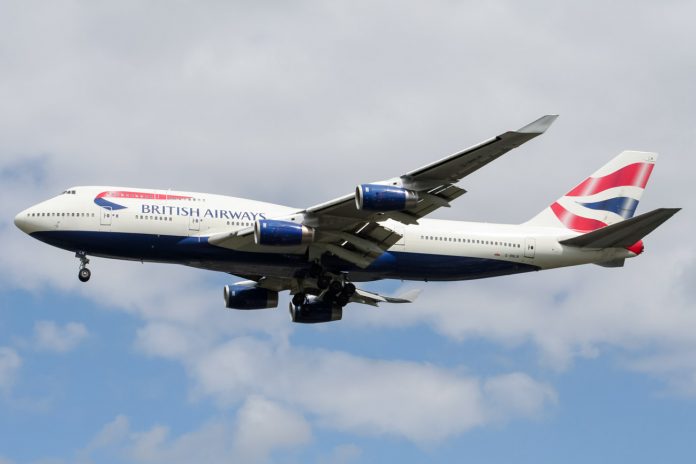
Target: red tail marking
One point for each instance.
(575, 222)
(634, 175)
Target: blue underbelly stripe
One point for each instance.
(184, 250)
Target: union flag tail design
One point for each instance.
(608, 196)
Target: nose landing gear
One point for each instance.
(84, 274)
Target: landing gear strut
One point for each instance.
(84, 274)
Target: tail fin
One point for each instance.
(608, 196)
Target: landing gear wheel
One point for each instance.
(84, 274)
(342, 299)
(335, 286)
(323, 282)
(349, 289)
(298, 299)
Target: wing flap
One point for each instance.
(235, 240)
(373, 299)
(361, 246)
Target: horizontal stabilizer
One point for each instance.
(624, 233)
(613, 263)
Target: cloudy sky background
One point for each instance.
(296, 103)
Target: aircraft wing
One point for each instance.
(358, 236)
(435, 181)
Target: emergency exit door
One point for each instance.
(530, 245)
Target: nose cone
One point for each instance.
(22, 221)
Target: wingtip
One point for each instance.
(540, 125)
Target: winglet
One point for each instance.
(540, 125)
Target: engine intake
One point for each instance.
(246, 297)
(314, 312)
(281, 233)
(375, 197)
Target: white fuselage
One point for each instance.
(169, 226)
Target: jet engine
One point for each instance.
(248, 297)
(281, 233)
(315, 311)
(375, 197)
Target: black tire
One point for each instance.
(298, 299)
(323, 282)
(84, 274)
(342, 299)
(335, 286)
(349, 289)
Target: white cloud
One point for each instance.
(676, 366)
(209, 443)
(10, 363)
(342, 454)
(112, 433)
(516, 394)
(421, 402)
(50, 336)
(263, 426)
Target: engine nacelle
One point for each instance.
(281, 233)
(247, 297)
(375, 197)
(313, 312)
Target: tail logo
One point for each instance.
(598, 201)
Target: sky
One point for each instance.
(296, 103)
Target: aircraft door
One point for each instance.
(530, 245)
(106, 214)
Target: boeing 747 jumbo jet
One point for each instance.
(377, 232)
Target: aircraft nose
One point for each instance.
(22, 221)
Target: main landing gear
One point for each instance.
(84, 274)
(333, 289)
(326, 307)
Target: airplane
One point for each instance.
(379, 231)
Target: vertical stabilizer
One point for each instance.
(608, 196)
